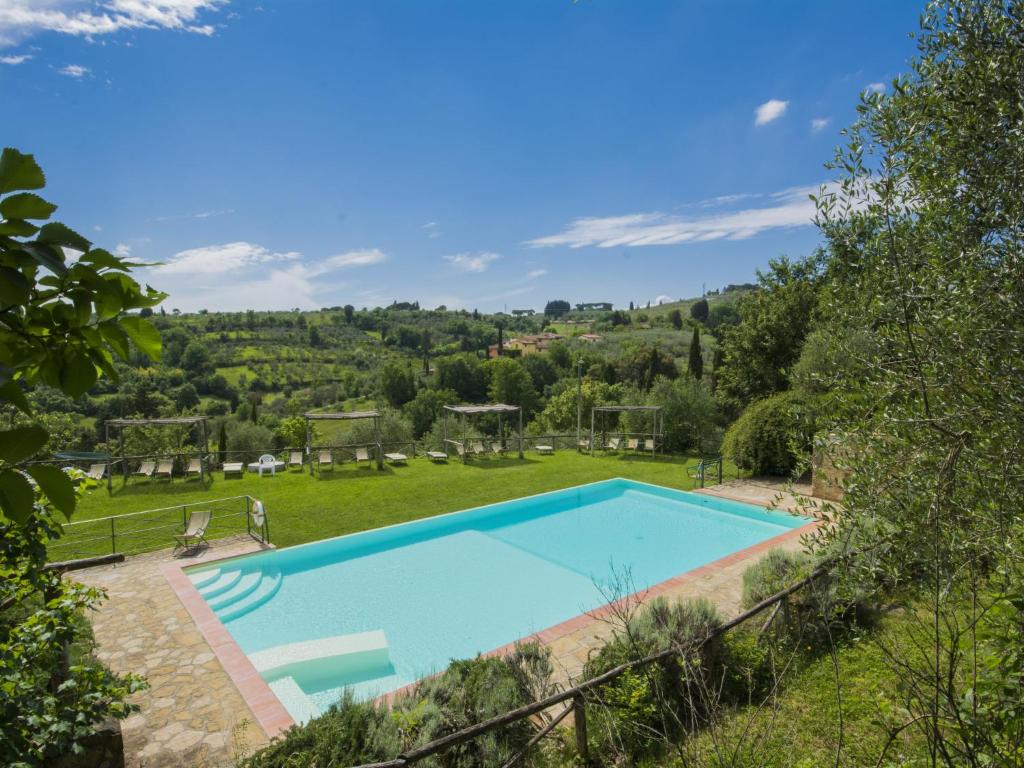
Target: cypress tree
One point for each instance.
(696, 358)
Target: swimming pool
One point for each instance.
(380, 609)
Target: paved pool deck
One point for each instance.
(204, 706)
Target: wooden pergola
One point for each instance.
(465, 412)
(345, 416)
(654, 410)
(177, 421)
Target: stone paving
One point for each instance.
(193, 713)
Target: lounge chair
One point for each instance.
(362, 454)
(146, 469)
(613, 444)
(233, 468)
(437, 456)
(460, 449)
(396, 458)
(544, 450)
(583, 445)
(97, 471)
(498, 449)
(164, 468)
(633, 444)
(295, 459)
(267, 463)
(195, 531)
(325, 459)
(478, 448)
(195, 467)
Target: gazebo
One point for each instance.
(345, 416)
(177, 421)
(465, 412)
(655, 433)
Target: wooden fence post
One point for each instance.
(579, 716)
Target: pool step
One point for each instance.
(204, 578)
(243, 586)
(325, 657)
(227, 580)
(294, 699)
(269, 583)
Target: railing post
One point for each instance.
(579, 716)
(719, 470)
(113, 538)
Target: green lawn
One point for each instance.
(302, 508)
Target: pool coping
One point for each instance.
(271, 714)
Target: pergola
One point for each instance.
(345, 416)
(177, 421)
(654, 410)
(467, 411)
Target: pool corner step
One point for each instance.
(309, 658)
(269, 583)
(218, 586)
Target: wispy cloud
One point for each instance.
(15, 60)
(820, 124)
(790, 208)
(771, 110)
(123, 250)
(472, 262)
(432, 229)
(20, 19)
(875, 87)
(533, 274)
(74, 70)
(359, 258)
(237, 257)
(200, 215)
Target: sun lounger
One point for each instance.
(195, 467)
(97, 471)
(460, 449)
(146, 469)
(633, 444)
(478, 448)
(362, 454)
(295, 459)
(613, 444)
(324, 461)
(437, 455)
(498, 449)
(233, 468)
(583, 445)
(195, 531)
(164, 469)
(396, 458)
(545, 450)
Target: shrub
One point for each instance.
(772, 436)
(771, 574)
(249, 439)
(641, 709)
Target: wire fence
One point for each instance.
(152, 529)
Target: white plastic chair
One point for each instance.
(268, 462)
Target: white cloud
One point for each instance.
(820, 124)
(771, 110)
(74, 70)
(663, 299)
(123, 250)
(472, 262)
(791, 208)
(200, 215)
(359, 258)
(20, 19)
(238, 257)
(533, 274)
(432, 229)
(15, 60)
(875, 87)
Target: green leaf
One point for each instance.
(26, 205)
(49, 256)
(14, 287)
(18, 171)
(116, 338)
(77, 374)
(144, 334)
(10, 392)
(17, 228)
(21, 442)
(56, 486)
(60, 234)
(101, 258)
(16, 496)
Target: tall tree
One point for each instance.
(696, 362)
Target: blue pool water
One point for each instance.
(380, 609)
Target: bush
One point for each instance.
(468, 692)
(772, 436)
(641, 709)
(249, 439)
(771, 574)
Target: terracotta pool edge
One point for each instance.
(598, 614)
(266, 708)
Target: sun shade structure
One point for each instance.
(653, 437)
(180, 421)
(466, 412)
(345, 416)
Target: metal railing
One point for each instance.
(574, 698)
(707, 468)
(151, 529)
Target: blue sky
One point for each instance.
(484, 154)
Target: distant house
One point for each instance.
(524, 345)
(595, 306)
(523, 312)
(589, 337)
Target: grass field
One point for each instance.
(302, 508)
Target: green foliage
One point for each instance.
(425, 409)
(699, 310)
(773, 436)
(559, 415)
(643, 709)
(511, 384)
(463, 376)
(291, 432)
(687, 415)
(675, 317)
(397, 384)
(696, 361)
(645, 365)
(247, 441)
(771, 574)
